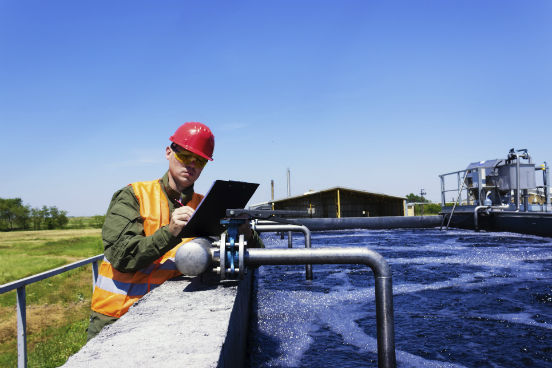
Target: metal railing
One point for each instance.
(344, 255)
(201, 254)
(267, 226)
(19, 285)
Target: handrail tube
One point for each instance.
(452, 172)
(517, 183)
(546, 184)
(349, 255)
(44, 275)
(457, 198)
(285, 227)
(21, 328)
(22, 304)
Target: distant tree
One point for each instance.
(55, 218)
(61, 219)
(11, 211)
(79, 223)
(411, 198)
(37, 218)
(428, 209)
(16, 215)
(22, 216)
(98, 221)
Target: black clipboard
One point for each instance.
(221, 196)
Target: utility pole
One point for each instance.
(288, 183)
(422, 194)
(272, 194)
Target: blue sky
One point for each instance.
(380, 96)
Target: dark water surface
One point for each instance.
(462, 299)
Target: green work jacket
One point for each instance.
(125, 245)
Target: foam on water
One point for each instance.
(453, 293)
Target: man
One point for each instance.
(142, 224)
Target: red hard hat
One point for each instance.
(195, 137)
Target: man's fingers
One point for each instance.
(180, 218)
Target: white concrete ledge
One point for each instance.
(186, 322)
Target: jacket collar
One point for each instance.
(175, 196)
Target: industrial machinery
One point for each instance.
(498, 188)
(501, 182)
(230, 258)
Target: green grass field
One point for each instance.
(58, 307)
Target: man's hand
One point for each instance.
(179, 219)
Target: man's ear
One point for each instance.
(168, 152)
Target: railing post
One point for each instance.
(94, 274)
(282, 227)
(19, 285)
(290, 241)
(21, 328)
(443, 201)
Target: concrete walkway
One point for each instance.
(186, 322)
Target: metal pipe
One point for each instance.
(288, 183)
(19, 285)
(94, 274)
(290, 240)
(475, 216)
(384, 222)
(457, 198)
(489, 208)
(44, 275)
(21, 328)
(285, 227)
(517, 183)
(479, 185)
(546, 181)
(443, 202)
(350, 255)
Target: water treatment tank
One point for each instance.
(507, 176)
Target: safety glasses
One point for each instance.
(187, 157)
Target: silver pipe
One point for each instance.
(525, 200)
(546, 181)
(489, 208)
(288, 184)
(442, 190)
(285, 227)
(458, 198)
(21, 328)
(517, 183)
(479, 184)
(383, 222)
(290, 240)
(350, 255)
(475, 216)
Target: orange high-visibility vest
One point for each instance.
(116, 291)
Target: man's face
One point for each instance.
(184, 166)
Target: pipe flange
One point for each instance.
(222, 256)
(241, 253)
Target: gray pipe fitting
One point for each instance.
(194, 257)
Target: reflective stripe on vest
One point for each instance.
(116, 291)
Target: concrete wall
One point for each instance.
(186, 322)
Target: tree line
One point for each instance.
(427, 207)
(15, 215)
